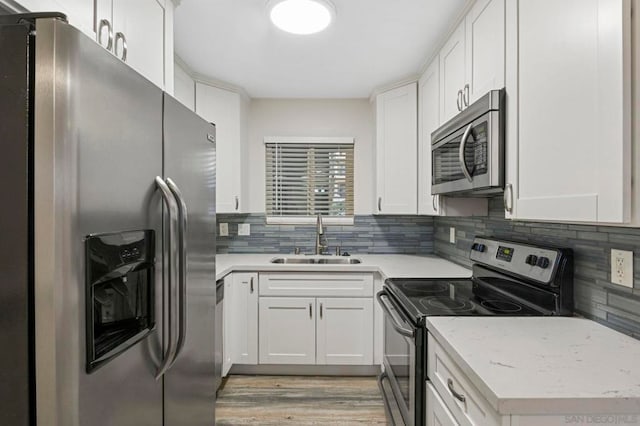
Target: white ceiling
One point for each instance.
(371, 43)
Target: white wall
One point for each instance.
(311, 117)
(184, 87)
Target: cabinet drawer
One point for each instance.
(447, 378)
(317, 284)
(437, 413)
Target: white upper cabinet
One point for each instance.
(396, 149)
(485, 44)
(136, 36)
(428, 121)
(139, 25)
(139, 32)
(452, 74)
(184, 87)
(568, 130)
(227, 110)
(472, 61)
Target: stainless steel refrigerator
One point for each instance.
(107, 223)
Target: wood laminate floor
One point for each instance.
(299, 400)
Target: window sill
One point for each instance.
(308, 220)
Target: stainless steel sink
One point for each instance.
(317, 261)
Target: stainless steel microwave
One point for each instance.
(467, 152)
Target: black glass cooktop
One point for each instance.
(441, 297)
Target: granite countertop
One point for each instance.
(545, 365)
(389, 265)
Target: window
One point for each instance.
(309, 176)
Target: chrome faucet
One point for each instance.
(320, 248)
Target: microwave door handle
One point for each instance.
(388, 309)
(463, 144)
(182, 266)
(172, 209)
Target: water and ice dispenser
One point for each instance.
(119, 293)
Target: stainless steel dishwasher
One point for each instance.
(218, 338)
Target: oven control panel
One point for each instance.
(536, 263)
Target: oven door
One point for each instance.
(469, 159)
(399, 359)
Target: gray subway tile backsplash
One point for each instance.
(368, 234)
(595, 296)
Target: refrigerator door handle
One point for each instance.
(172, 209)
(182, 262)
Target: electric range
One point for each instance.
(509, 279)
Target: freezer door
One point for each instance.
(190, 162)
(16, 357)
(97, 149)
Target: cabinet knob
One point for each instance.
(465, 96)
(120, 36)
(105, 23)
(507, 198)
(460, 397)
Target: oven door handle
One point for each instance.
(387, 405)
(392, 312)
(463, 145)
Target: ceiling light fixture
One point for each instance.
(301, 16)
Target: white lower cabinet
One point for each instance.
(241, 317)
(344, 331)
(320, 331)
(460, 396)
(437, 412)
(287, 330)
(297, 319)
(316, 318)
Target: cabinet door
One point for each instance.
(287, 330)
(396, 148)
(428, 121)
(228, 307)
(452, 73)
(243, 318)
(437, 413)
(142, 23)
(485, 48)
(223, 108)
(345, 331)
(572, 138)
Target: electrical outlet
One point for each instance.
(452, 235)
(224, 230)
(244, 229)
(622, 267)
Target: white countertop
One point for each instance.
(389, 265)
(547, 365)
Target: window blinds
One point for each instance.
(306, 179)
